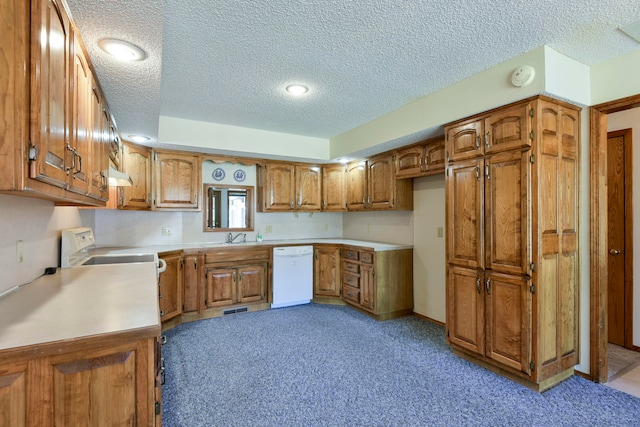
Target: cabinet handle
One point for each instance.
(234, 276)
(75, 153)
(195, 263)
(487, 286)
(195, 198)
(73, 158)
(478, 141)
(486, 171)
(478, 285)
(486, 139)
(477, 173)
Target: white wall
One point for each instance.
(616, 78)
(391, 226)
(37, 223)
(429, 260)
(624, 120)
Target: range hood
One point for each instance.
(118, 179)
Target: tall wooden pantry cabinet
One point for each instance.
(512, 239)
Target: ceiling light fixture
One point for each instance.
(297, 89)
(139, 138)
(122, 50)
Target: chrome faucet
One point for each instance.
(232, 238)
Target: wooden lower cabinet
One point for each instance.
(380, 283)
(326, 271)
(170, 292)
(91, 384)
(191, 280)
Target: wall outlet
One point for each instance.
(440, 231)
(267, 229)
(19, 252)
(166, 231)
(326, 227)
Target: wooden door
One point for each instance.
(367, 287)
(136, 162)
(507, 237)
(191, 281)
(382, 183)
(252, 283)
(13, 394)
(434, 157)
(326, 272)
(465, 213)
(409, 162)
(464, 141)
(50, 55)
(308, 187)
(508, 320)
(619, 263)
(279, 187)
(465, 308)
(81, 117)
(177, 181)
(171, 288)
(334, 188)
(357, 185)
(508, 129)
(220, 287)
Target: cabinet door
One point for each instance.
(326, 269)
(367, 287)
(13, 394)
(81, 116)
(508, 320)
(409, 162)
(220, 287)
(356, 185)
(279, 187)
(99, 188)
(334, 188)
(191, 281)
(465, 214)
(136, 162)
(308, 188)
(464, 141)
(434, 155)
(252, 283)
(507, 236)
(50, 34)
(465, 308)
(508, 129)
(382, 183)
(177, 181)
(171, 288)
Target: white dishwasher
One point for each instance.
(292, 275)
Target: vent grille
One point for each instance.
(235, 310)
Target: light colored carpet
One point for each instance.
(620, 359)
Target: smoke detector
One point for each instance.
(523, 76)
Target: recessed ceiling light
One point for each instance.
(139, 138)
(297, 89)
(122, 50)
(343, 161)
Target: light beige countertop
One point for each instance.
(80, 302)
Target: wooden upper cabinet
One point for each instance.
(50, 133)
(308, 187)
(434, 153)
(279, 186)
(381, 183)
(357, 173)
(177, 180)
(99, 187)
(464, 140)
(136, 162)
(334, 187)
(508, 129)
(506, 206)
(426, 158)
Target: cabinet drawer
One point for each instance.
(351, 294)
(349, 254)
(239, 255)
(351, 279)
(350, 267)
(366, 257)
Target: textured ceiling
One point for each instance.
(228, 61)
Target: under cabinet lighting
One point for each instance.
(122, 50)
(139, 138)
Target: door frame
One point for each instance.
(598, 237)
(627, 135)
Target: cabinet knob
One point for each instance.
(614, 251)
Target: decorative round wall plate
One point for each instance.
(218, 174)
(239, 175)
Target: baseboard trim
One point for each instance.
(437, 322)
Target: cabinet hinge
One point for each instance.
(531, 135)
(532, 366)
(532, 158)
(532, 266)
(158, 408)
(531, 112)
(532, 289)
(33, 151)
